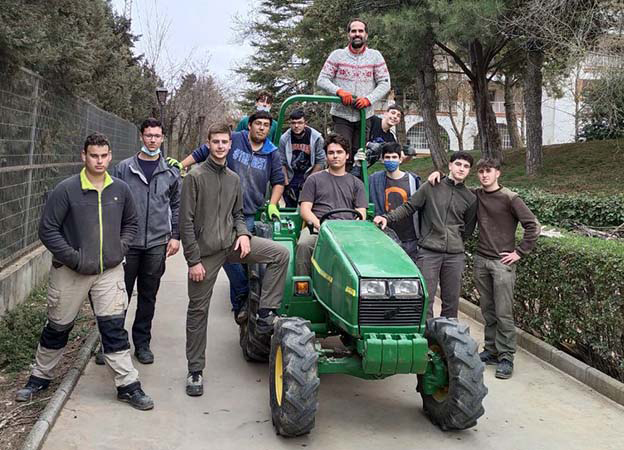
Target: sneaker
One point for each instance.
(240, 316)
(99, 356)
(488, 357)
(264, 325)
(504, 369)
(134, 395)
(144, 355)
(33, 385)
(195, 384)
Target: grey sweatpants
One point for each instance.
(263, 251)
(495, 282)
(445, 269)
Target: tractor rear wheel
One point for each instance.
(255, 346)
(458, 405)
(293, 377)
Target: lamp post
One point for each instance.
(201, 120)
(161, 96)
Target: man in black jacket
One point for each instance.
(155, 187)
(87, 224)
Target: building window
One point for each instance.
(416, 137)
(504, 135)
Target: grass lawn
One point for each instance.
(592, 167)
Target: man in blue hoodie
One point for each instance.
(257, 162)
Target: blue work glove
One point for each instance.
(273, 211)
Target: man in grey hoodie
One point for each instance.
(301, 150)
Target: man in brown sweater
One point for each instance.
(213, 232)
(498, 213)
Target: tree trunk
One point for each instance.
(401, 132)
(510, 114)
(425, 76)
(486, 119)
(533, 110)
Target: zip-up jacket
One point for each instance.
(448, 214)
(377, 187)
(157, 202)
(255, 169)
(211, 211)
(317, 153)
(363, 74)
(86, 230)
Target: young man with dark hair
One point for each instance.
(448, 214)
(213, 231)
(498, 214)
(323, 191)
(264, 101)
(257, 162)
(381, 127)
(354, 71)
(392, 187)
(302, 153)
(88, 223)
(155, 187)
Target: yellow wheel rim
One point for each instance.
(279, 372)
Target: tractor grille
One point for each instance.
(395, 311)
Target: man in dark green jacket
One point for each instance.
(448, 214)
(87, 224)
(213, 232)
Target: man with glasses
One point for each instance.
(155, 187)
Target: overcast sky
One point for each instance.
(201, 29)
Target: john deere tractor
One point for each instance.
(366, 291)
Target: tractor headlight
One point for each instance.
(373, 289)
(404, 288)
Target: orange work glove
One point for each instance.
(345, 96)
(362, 102)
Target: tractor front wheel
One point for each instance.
(458, 404)
(293, 377)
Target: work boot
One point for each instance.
(195, 384)
(504, 369)
(488, 357)
(33, 385)
(265, 320)
(134, 395)
(144, 355)
(99, 356)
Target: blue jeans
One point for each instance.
(237, 274)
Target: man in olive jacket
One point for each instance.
(87, 224)
(213, 232)
(448, 213)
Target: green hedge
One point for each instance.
(564, 210)
(569, 293)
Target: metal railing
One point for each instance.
(41, 136)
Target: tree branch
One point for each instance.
(457, 60)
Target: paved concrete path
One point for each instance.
(539, 408)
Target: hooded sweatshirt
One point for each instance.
(255, 169)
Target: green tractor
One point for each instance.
(366, 291)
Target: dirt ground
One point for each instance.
(16, 419)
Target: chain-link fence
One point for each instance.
(41, 136)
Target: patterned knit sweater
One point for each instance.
(363, 74)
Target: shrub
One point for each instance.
(564, 210)
(569, 293)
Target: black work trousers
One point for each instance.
(146, 267)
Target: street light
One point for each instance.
(161, 96)
(201, 120)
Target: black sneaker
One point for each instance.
(33, 385)
(144, 355)
(240, 316)
(195, 384)
(134, 395)
(264, 325)
(99, 356)
(488, 357)
(504, 369)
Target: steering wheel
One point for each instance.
(355, 212)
